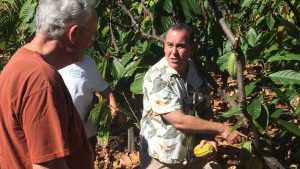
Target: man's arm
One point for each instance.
(190, 123)
(53, 164)
(112, 102)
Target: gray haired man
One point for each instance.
(39, 125)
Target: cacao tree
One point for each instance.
(253, 43)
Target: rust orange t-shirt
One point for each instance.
(38, 121)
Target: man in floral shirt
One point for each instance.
(173, 92)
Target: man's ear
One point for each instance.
(73, 33)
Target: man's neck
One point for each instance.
(49, 49)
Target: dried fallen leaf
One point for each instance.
(126, 161)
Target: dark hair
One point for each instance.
(187, 28)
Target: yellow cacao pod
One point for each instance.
(205, 150)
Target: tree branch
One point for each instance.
(113, 38)
(136, 25)
(131, 109)
(151, 17)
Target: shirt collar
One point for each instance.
(192, 76)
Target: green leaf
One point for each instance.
(146, 24)
(289, 126)
(262, 6)
(284, 56)
(136, 86)
(272, 48)
(195, 6)
(254, 108)
(281, 95)
(105, 31)
(166, 22)
(103, 137)
(168, 6)
(251, 37)
(260, 20)
(297, 111)
(27, 11)
(130, 68)
(145, 46)
(118, 68)
(232, 111)
(222, 61)
(277, 113)
(127, 57)
(286, 77)
(186, 10)
(2, 45)
(246, 3)
(249, 88)
(245, 153)
(262, 122)
(139, 8)
(270, 21)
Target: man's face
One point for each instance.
(177, 50)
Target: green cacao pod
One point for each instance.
(231, 65)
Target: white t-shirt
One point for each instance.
(81, 78)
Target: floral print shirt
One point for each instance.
(165, 91)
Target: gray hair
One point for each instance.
(54, 16)
(187, 28)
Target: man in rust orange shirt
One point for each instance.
(39, 125)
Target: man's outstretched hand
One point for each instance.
(233, 136)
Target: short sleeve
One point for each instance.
(161, 95)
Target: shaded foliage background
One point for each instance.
(267, 33)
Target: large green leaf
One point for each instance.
(222, 61)
(136, 86)
(262, 122)
(186, 10)
(130, 68)
(251, 37)
(281, 95)
(166, 22)
(168, 6)
(127, 57)
(246, 3)
(249, 88)
(270, 21)
(195, 6)
(232, 111)
(297, 111)
(277, 113)
(245, 153)
(27, 11)
(118, 68)
(289, 126)
(105, 31)
(254, 108)
(284, 56)
(285, 77)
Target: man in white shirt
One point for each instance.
(82, 80)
